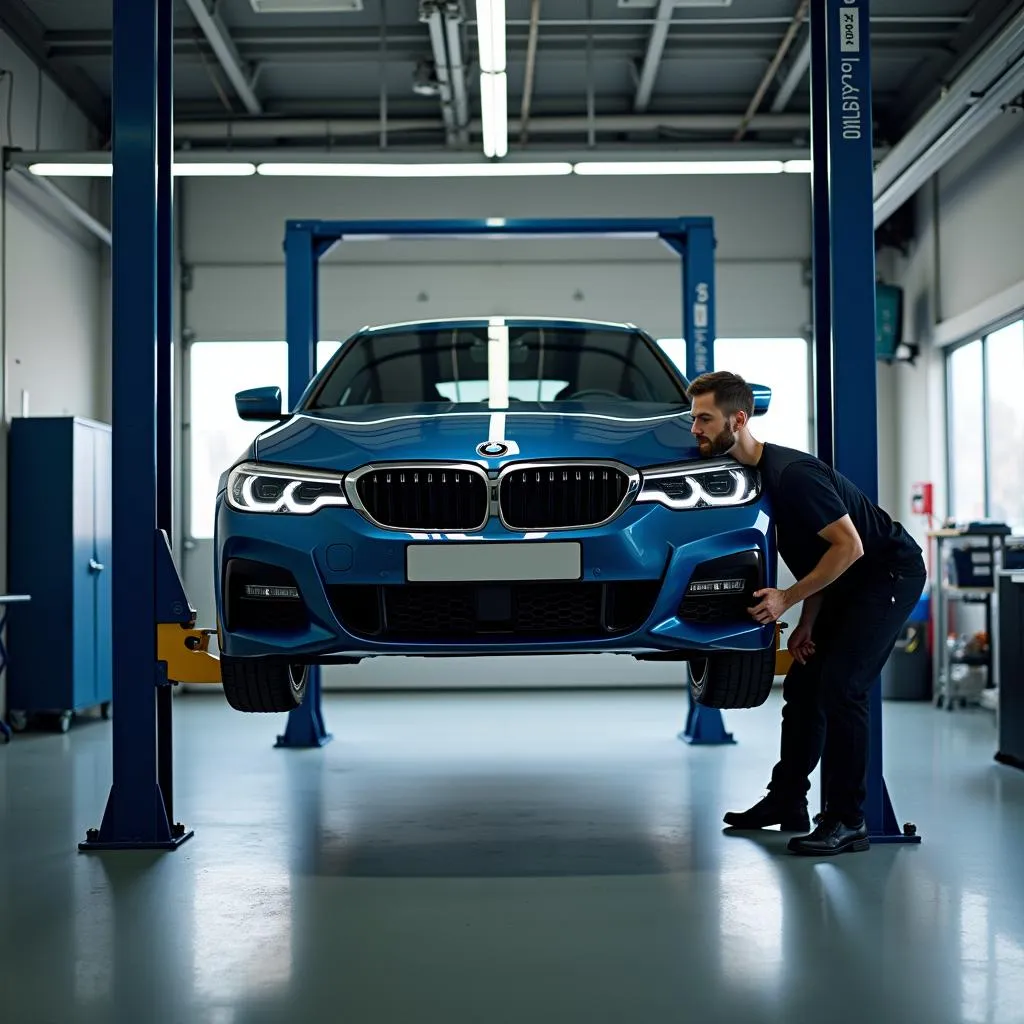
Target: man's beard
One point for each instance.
(713, 447)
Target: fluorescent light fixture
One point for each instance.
(490, 23)
(490, 26)
(96, 170)
(200, 170)
(106, 170)
(450, 170)
(715, 167)
(494, 114)
(798, 166)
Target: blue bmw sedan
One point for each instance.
(489, 486)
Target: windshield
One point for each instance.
(498, 364)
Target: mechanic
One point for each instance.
(859, 576)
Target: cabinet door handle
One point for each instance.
(95, 566)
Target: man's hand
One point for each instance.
(800, 644)
(772, 606)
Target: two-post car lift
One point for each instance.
(155, 637)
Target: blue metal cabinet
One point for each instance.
(59, 540)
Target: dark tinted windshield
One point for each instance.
(497, 365)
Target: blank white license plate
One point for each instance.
(503, 562)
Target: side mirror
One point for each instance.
(259, 404)
(762, 398)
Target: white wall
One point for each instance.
(234, 230)
(51, 321)
(964, 273)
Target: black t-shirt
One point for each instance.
(807, 495)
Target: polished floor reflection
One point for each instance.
(506, 858)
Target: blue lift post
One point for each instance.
(306, 241)
(139, 812)
(843, 207)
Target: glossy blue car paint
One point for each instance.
(334, 546)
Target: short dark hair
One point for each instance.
(732, 393)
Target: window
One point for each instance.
(783, 364)
(473, 364)
(1005, 384)
(966, 432)
(985, 385)
(217, 436)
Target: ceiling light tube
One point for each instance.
(500, 92)
(798, 166)
(712, 167)
(214, 170)
(382, 170)
(106, 170)
(487, 114)
(490, 25)
(70, 170)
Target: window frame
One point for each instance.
(981, 337)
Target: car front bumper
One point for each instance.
(345, 569)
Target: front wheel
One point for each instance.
(732, 679)
(258, 685)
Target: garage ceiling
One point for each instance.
(654, 73)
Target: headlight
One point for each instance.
(711, 485)
(260, 488)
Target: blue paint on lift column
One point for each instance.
(850, 215)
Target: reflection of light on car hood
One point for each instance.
(344, 439)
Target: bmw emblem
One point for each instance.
(492, 449)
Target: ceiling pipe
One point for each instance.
(78, 212)
(457, 70)
(652, 59)
(531, 64)
(794, 76)
(323, 127)
(220, 41)
(431, 14)
(773, 69)
(982, 75)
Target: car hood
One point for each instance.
(637, 434)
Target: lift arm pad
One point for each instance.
(186, 653)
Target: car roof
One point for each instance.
(511, 321)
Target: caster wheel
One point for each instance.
(64, 722)
(18, 721)
(106, 711)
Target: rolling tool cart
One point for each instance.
(965, 560)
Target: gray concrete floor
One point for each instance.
(505, 858)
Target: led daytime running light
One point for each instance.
(745, 487)
(244, 499)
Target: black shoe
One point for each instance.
(790, 817)
(832, 837)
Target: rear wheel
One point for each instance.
(255, 684)
(732, 679)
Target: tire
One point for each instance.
(258, 685)
(732, 679)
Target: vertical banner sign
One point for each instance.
(851, 210)
(699, 302)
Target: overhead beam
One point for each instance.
(977, 97)
(323, 127)
(226, 52)
(794, 76)
(22, 25)
(652, 59)
(66, 202)
(773, 69)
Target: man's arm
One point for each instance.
(845, 547)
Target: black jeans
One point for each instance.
(826, 701)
